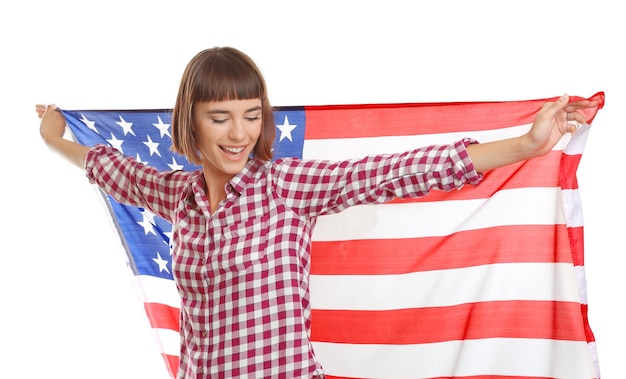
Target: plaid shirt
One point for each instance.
(243, 272)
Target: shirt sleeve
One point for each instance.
(133, 183)
(323, 187)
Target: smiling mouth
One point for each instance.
(232, 151)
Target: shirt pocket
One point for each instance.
(244, 244)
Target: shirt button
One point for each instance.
(203, 334)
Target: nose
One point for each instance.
(237, 131)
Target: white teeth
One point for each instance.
(234, 150)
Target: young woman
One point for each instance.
(242, 224)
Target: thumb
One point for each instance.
(41, 109)
(560, 103)
(50, 108)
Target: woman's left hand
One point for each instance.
(554, 120)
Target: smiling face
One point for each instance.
(225, 134)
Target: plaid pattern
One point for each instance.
(243, 272)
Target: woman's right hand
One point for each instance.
(52, 124)
(52, 130)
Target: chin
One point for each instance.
(234, 169)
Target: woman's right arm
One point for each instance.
(52, 130)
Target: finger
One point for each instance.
(40, 109)
(581, 104)
(576, 116)
(43, 110)
(571, 128)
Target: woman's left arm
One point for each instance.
(551, 123)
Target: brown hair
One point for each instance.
(219, 74)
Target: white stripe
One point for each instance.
(168, 341)
(581, 280)
(151, 289)
(525, 206)
(572, 208)
(349, 148)
(508, 281)
(593, 352)
(577, 144)
(498, 356)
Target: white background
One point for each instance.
(68, 306)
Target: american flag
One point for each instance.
(484, 282)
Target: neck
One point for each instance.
(214, 186)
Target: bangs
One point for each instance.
(223, 78)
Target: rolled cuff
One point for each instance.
(91, 159)
(464, 170)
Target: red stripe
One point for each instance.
(371, 120)
(502, 244)
(577, 242)
(171, 361)
(584, 311)
(498, 319)
(569, 166)
(163, 316)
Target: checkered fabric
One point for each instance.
(243, 271)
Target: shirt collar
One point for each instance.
(237, 183)
(246, 176)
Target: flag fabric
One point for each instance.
(484, 282)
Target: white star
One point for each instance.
(126, 126)
(90, 124)
(116, 143)
(174, 165)
(163, 128)
(286, 129)
(138, 159)
(152, 146)
(161, 262)
(148, 222)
